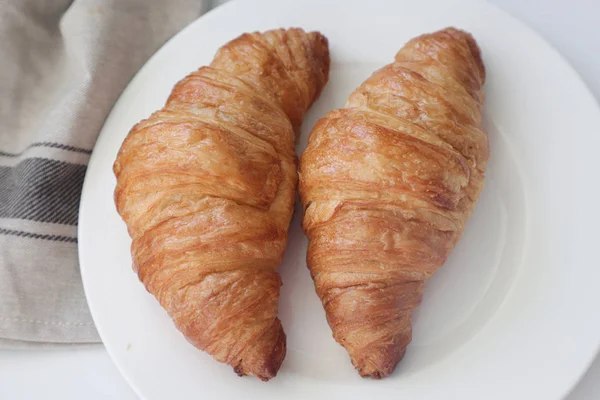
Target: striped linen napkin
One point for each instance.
(63, 63)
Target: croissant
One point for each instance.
(387, 184)
(206, 187)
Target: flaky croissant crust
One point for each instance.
(388, 183)
(206, 187)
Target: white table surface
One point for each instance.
(572, 26)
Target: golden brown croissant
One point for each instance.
(206, 187)
(387, 184)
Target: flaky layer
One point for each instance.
(388, 183)
(206, 186)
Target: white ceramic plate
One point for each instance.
(514, 312)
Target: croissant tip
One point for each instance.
(259, 362)
(379, 368)
(269, 372)
(239, 370)
(374, 375)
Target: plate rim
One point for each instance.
(214, 14)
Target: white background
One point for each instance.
(573, 27)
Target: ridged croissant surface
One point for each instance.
(387, 184)
(206, 187)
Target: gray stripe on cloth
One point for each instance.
(71, 157)
(30, 235)
(41, 190)
(17, 345)
(46, 144)
(41, 228)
